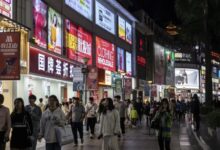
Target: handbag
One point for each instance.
(155, 124)
(64, 135)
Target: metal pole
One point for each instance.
(85, 88)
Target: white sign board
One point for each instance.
(84, 7)
(77, 74)
(105, 18)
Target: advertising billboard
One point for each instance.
(45, 64)
(159, 73)
(10, 56)
(84, 7)
(121, 27)
(78, 42)
(186, 78)
(128, 64)
(128, 33)
(141, 55)
(169, 56)
(54, 31)
(105, 18)
(120, 59)
(6, 8)
(105, 55)
(40, 23)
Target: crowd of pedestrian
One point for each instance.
(33, 122)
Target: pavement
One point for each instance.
(141, 139)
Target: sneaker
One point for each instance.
(91, 136)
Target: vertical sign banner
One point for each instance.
(159, 64)
(170, 70)
(92, 79)
(154, 91)
(128, 64)
(54, 31)
(9, 56)
(118, 85)
(128, 87)
(77, 79)
(120, 60)
(40, 23)
(78, 42)
(105, 55)
(105, 18)
(84, 7)
(6, 8)
(128, 33)
(121, 27)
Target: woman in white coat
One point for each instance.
(109, 126)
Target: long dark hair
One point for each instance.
(110, 105)
(54, 97)
(165, 100)
(18, 100)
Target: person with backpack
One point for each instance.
(163, 120)
(91, 109)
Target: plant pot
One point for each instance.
(218, 133)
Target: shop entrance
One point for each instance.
(64, 93)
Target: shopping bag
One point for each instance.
(64, 134)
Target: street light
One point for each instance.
(85, 72)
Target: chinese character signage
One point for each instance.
(121, 27)
(54, 31)
(6, 8)
(45, 64)
(105, 18)
(128, 64)
(128, 33)
(120, 60)
(84, 7)
(159, 64)
(141, 55)
(105, 55)
(40, 23)
(78, 42)
(9, 56)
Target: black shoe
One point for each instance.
(82, 141)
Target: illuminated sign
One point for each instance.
(84, 7)
(105, 18)
(128, 33)
(6, 8)
(120, 60)
(128, 64)
(54, 31)
(49, 65)
(105, 55)
(78, 42)
(121, 27)
(40, 23)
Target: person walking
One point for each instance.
(139, 108)
(77, 115)
(196, 111)
(52, 118)
(5, 123)
(41, 105)
(164, 120)
(122, 108)
(91, 109)
(22, 128)
(109, 126)
(35, 113)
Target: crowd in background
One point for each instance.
(34, 122)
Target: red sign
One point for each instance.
(105, 55)
(78, 42)
(49, 65)
(141, 61)
(9, 56)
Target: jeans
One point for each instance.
(77, 126)
(91, 124)
(53, 146)
(2, 140)
(163, 141)
(122, 123)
